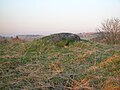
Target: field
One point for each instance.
(42, 65)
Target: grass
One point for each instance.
(42, 65)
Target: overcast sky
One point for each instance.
(51, 16)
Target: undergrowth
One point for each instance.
(42, 65)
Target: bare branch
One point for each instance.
(110, 31)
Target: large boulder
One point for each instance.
(62, 38)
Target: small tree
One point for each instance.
(110, 31)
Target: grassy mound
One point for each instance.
(43, 65)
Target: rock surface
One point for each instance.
(63, 36)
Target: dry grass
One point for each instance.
(111, 85)
(111, 59)
(80, 66)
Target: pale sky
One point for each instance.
(53, 16)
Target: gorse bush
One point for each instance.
(63, 43)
